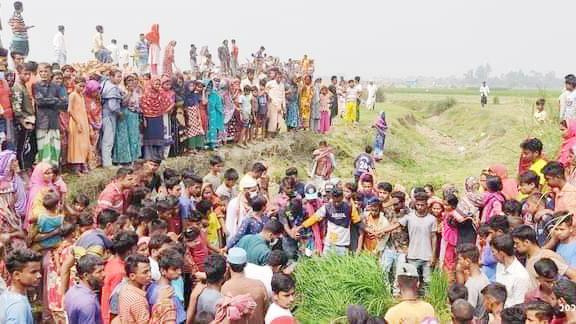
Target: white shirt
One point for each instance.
(154, 269)
(276, 91)
(97, 42)
(247, 82)
(371, 91)
(516, 280)
(124, 57)
(275, 311)
(59, 43)
(540, 116)
(358, 89)
(260, 273)
(568, 105)
(484, 91)
(113, 52)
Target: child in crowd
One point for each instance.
(324, 162)
(493, 200)
(214, 177)
(540, 114)
(325, 98)
(46, 233)
(531, 158)
(540, 217)
(262, 112)
(351, 105)
(228, 190)
(283, 295)
(245, 102)
(364, 163)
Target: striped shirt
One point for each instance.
(133, 306)
(111, 198)
(18, 26)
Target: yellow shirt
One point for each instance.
(537, 168)
(409, 312)
(213, 228)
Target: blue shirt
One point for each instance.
(489, 263)
(82, 306)
(568, 252)
(185, 205)
(15, 309)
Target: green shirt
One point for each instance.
(257, 249)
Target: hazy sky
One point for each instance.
(371, 38)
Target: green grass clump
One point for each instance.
(437, 294)
(437, 108)
(326, 286)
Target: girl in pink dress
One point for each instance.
(325, 99)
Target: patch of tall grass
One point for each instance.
(437, 294)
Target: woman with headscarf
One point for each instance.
(12, 201)
(44, 178)
(292, 105)
(305, 96)
(168, 63)
(194, 131)
(153, 106)
(127, 146)
(471, 201)
(230, 92)
(94, 110)
(509, 185)
(215, 115)
(568, 140)
(153, 38)
(381, 127)
(571, 167)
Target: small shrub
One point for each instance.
(380, 95)
(437, 108)
(496, 100)
(437, 294)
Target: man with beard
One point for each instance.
(81, 302)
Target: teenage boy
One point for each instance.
(539, 312)
(214, 177)
(112, 197)
(81, 302)
(565, 197)
(24, 268)
(494, 299)
(397, 246)
(525, 243)
(532, 156)
(421, 227)
(292, 172)
(411, 309)
(475, 280)
(187, 202)
(132, 304)
(513, 315)
(384, 190)
(529, 183)
(364, 163)
(228, 190)
(257, 246)
(547, 274)
(25, 119)
(565, 292)
(157, 243)
(564, 233)
(170, 263)
(339, 216)
(283, 289)
(509, 270)
(205, 298)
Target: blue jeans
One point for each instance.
(108, 133)
(392, 260)
(423, 268)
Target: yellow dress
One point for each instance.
(306, 94)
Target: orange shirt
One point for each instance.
(133, 306)
(566, 199)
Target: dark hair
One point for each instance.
(82, 199)
(258, 203)
(282, 283)
(503, 243)
(237, 267)
(562, 218)
(169, 173)
(87, 264)
(14, 53)
(170, 183)
(191, 233)
(533, 145)
(546, 268)
(170, 258)
(215, 160)
(291, 171)
(259, 167)
(192, 180)
(525, 233)
(495, 290)
(399, 195)
(530, 177)
(543, 310)
(368, 149)
(166, 204)
(420, 196)
(484, 230)
(204, 206)
(499, 222)
(512, 208)
(565, 289)
(107, 216)
(157, 240)
(124, 241)
(513, 315)
(274, 226)
(132, 261)
(123, 171)
(67, 229)
(231, 174)
(541, 102)
(215, 268)
(17, 5)
(451, 200)
(50, 200)
(493, 183)
(158, 224)
(457, 291)
(554, 169)
(469, 251)
(18, 259)
(277, 258)
(386, 186)
(86, 218)
(462, 311)
(147, 214)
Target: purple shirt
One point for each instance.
(81, 305)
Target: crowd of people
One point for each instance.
(175, 246)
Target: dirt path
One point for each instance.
(441, 142)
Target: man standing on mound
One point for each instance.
(410, 309)
(484, 91)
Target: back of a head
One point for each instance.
(274, 227)
(496, 291)
(107, 216)
(215, 268)
(124, 241)
(357, 314)
(462, 312)
(499, 223)
(542, 310)
(513, 315)
(503, 243)
(277, 258)
(457, 291)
